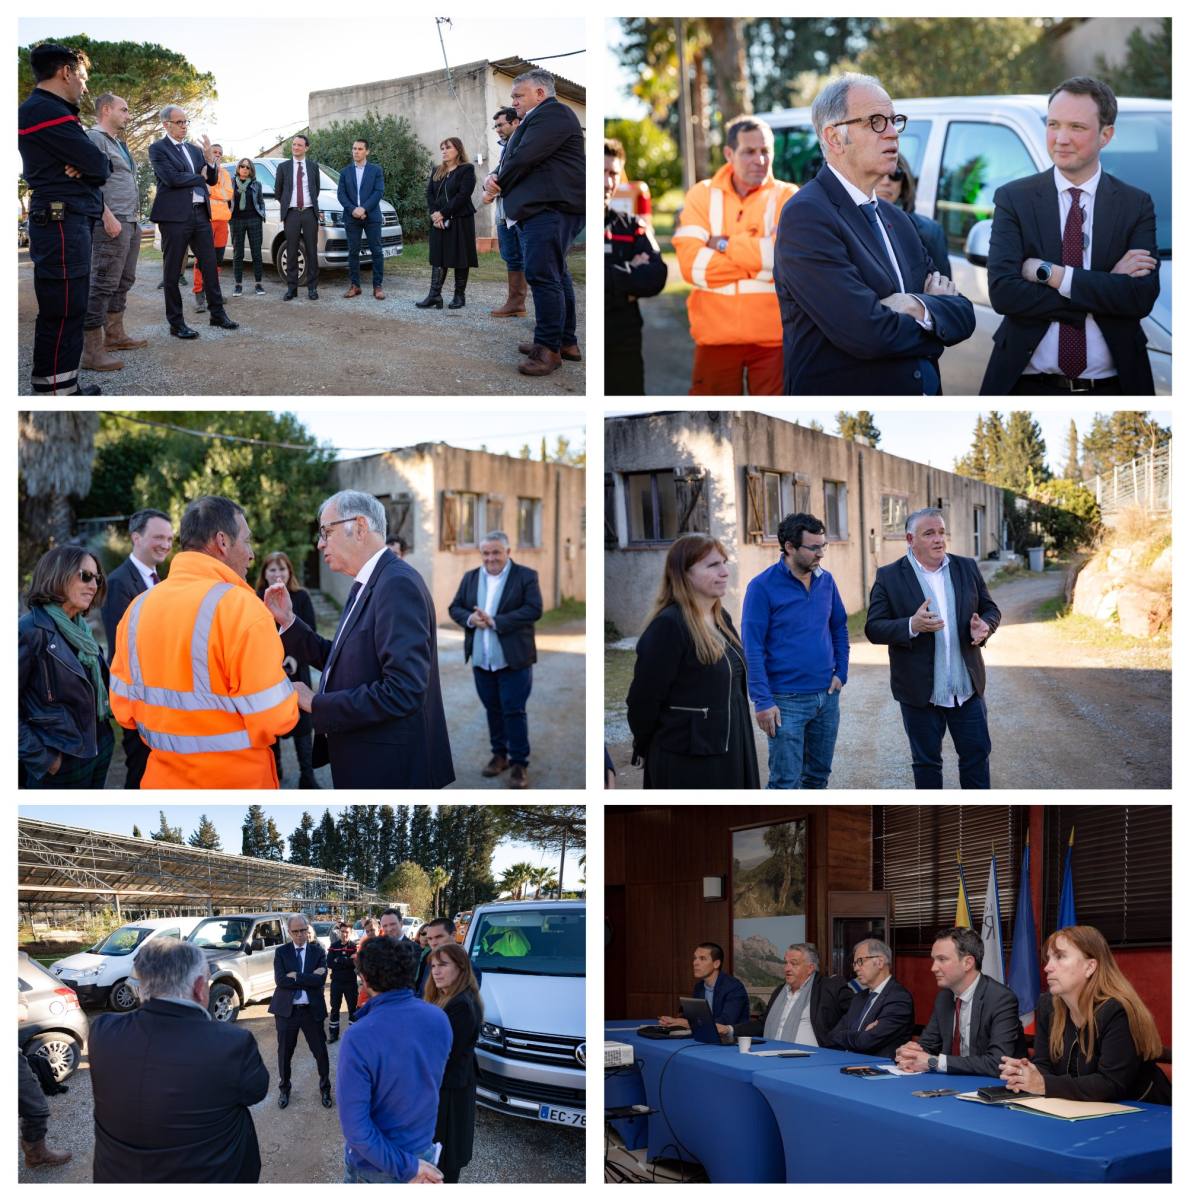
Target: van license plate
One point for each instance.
(561, 1116)
(390, 251)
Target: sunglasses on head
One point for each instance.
(90, 577)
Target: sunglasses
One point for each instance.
(90, 577)
(897, 175)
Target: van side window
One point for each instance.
(797, 157)
(978, 158)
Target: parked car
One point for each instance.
(531, 1048)
(101, 974)
(22, 233)
(50, 1020)
(332, 250)
(961, 149)
(322, 931)
(412, 926)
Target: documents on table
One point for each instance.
(1064, 1110)
(780, 1054)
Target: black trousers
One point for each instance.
(176, 238)
(342, 986)
(300, 224)
(136, 757)
(288, 1029)
(61, 255)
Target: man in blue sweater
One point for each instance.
(795, 632)
(390, 1071)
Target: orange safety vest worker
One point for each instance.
(221, 195)
(733, 301)
(199, 671)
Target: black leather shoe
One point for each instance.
(93, 390)
(183, 331)
(222, 321)
(290, 294)
(327, 1101)
(282, 1099)
(312, 293)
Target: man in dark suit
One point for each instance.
(182, 210)
(863, 309)
(360, 188)
(298, 182)
(974, 1023)
(541, 179)
(933, 611)
(880, 1018)
(806, 1008)
(498, 604)
(378, 715)
(298, 1004)
(725, 994)
(1073, 263)
(152, 539)
(172, 1087)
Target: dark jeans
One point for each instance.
(32, 1106)
(374, 232)
(547, 238)
(79, 773)
(176, 238)
(968, 726)
(251, 232)
(504, 696)
(300, 224)
(288, 1030)
(510, 245)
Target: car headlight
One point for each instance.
(331, 218)
(491, 1032)
(87, 973)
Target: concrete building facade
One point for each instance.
(425, 100)
(735, 475)
(443, 500)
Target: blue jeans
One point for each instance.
(547, 238)
(374, 232)
(968, 725)
(510, 245)
(504, 696)
(368, 1174)
(801, 749)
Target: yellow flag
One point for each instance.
(963, 911)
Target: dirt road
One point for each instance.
(327, 347)
(1061, 714)
(303, 1143)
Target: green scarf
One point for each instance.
(242, 185)
(78, 633)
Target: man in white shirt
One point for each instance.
(298, 181)
(805, 1009)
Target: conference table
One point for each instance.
(752, 1119)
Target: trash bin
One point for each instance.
(1037, 558)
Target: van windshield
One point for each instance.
(530, 942)
(1140, 154)
(221, 933)
(122, 941)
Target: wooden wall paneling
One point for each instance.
(617, 823)
(648, 935)
(648, 845)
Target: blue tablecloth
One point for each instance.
(623, 1086)
(838, 1129)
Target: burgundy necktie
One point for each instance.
(1072, 342)
(955, 1037)
(155, 578)
(301, 199)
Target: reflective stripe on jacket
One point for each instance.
(199, 671)
(733, 300)
(221, 195)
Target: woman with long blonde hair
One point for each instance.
(1095, 1039)
(687, 707)
(452, 239)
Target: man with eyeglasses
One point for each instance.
(298, 1004)
(182, 210)
(794, 628)
(880, 1017)
(863, 309)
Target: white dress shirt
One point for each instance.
(1099, 357)
(299, 166)
(368, 569)
(300, 997)
(199, 196)
(947, 633)
(494, 585)
(805, 1034)
(146, 573)
(965, 999)
(358, 174)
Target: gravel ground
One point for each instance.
(506, 1149)
(386, 347)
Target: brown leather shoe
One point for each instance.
(351, 292)
(379, 294)
(568, 353)
(38, 1154)
(542, 362)
(518, 778)
(515, 305)
(527, 347)
(495, 766)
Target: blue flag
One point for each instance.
(1066, 899)
(1023, 962)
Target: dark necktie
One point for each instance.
(155, 578)
(870, 213)
(346, 609)
(1072, 342)
(300, 186)
(955, 1037)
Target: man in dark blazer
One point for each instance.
(974, 1023)
(360, 188)
(1073, 263)
(172, 1086)
(378, 716)
(182, 210)
(298, 182)
(298, 1004)
(826, 1001)
(152, 539)
(498, 604)
(725, 993)
(864, 310)
(933, 611)
(881, 1017)
(541, 179)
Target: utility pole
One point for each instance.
(685, 110)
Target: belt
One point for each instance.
(1064, 384)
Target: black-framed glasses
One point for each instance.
(856, 962)
(877, 122)
(323, 530)
(90, 576)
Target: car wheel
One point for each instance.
(60, 1050)
(224, 1002)
(280, 258)
(123, 997)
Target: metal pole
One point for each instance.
(685, 109)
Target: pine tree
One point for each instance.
(1073, 470)
(168, 833)
(420, 836)
(300, 842)
(326, 845)
(1023, 454)
(205, 837)
(851, 426)
(136, 831)
(974, 464)
(399, 849)
(274, 843)
(385, 857)
(255, 833)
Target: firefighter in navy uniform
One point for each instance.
(65, 171)
(343, 982)
(633, 267)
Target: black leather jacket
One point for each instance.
(57, 699)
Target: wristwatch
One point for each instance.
(1044, 271)
(932, 1063)
(722, 244)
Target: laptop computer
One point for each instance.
(700, 1020)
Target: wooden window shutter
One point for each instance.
(755, 505)
(611, 513)
(449, 514)
(691, 500)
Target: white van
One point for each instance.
(100, 975)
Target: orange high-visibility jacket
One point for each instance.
(733, 301)
(199, 670)
(221, 195)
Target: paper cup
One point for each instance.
(743, 1044)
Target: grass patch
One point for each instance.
(1087, 631)
(567, 610)
(1154, 550)
(856, 625)
(1050, 608)
(619, 671)
(1013, 570)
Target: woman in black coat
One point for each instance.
(452, 241)
(1095, 1038)
(247, 224)
(688, 706)
(277, 568)
(453, 986)
(62, 679)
